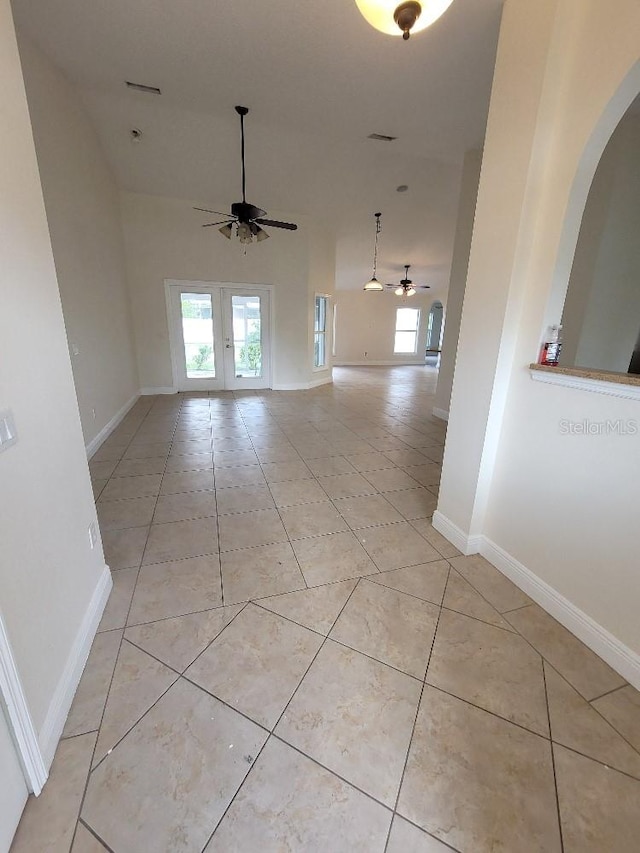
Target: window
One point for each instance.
(407, 320)
(333, 337)
(320, 332)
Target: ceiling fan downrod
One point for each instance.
(242, 111)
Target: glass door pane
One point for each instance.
(247, 336)
(196, 311)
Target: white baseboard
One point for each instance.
(19, 717)
(465, 544)
(371, 363)
(68, 684)
(150, 392)
(443, 414)
(284, 386)
(613, 651)
(325, 379)
(106, 431)
(301, 386)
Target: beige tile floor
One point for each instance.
(293, 659)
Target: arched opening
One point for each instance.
(601, 316)
(623, 101)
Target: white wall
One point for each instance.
(458, 278)
(366, 324)
(48, 573)
(563, 507)
(164, 239)
(82, 204)
(601, 318)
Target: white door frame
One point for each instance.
(175, 346)
(19, 717)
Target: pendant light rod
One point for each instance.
(374, 284)
(375, 245)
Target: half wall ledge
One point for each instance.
(586, 379)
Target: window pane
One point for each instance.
(247, 335)
(320, 321)
(319, 359)
(407, 319)
(197, 333)
(405, 342)
(335, 324)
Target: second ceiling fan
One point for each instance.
(406, 287)
(247, 218)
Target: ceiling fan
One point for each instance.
(406, 286)
(246, 217)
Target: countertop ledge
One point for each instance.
(586, 379)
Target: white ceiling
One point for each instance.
(318, 80)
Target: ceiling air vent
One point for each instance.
(140, 87)
(380, 137)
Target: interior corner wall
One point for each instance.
(366, 323)
(164, 239)
(83, 213)
(458, 277)
(561, 507)
(48, 572)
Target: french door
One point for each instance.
(219, 336)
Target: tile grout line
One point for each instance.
(415, 718)
(606, 693)
(357, 580)
(602, 717)
(92, 832)
(553, 758)
(104, 706)
(273, 728)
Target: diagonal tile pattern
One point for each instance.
(293, 658)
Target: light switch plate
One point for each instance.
(8, 432)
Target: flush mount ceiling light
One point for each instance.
(405, 18)
(373, 283)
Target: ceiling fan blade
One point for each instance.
(215, 212)
(273, 223)
(222, 222)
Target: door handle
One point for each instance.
(228, 346)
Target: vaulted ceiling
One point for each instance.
(318, 80)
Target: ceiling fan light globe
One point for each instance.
(411, 291)
(226, 231)
(373, 285)
(244, 233)
(262, 235)
(399, 291)
(381, 14)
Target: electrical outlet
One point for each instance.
(75, 349)
(93, 535)
(93, 412)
